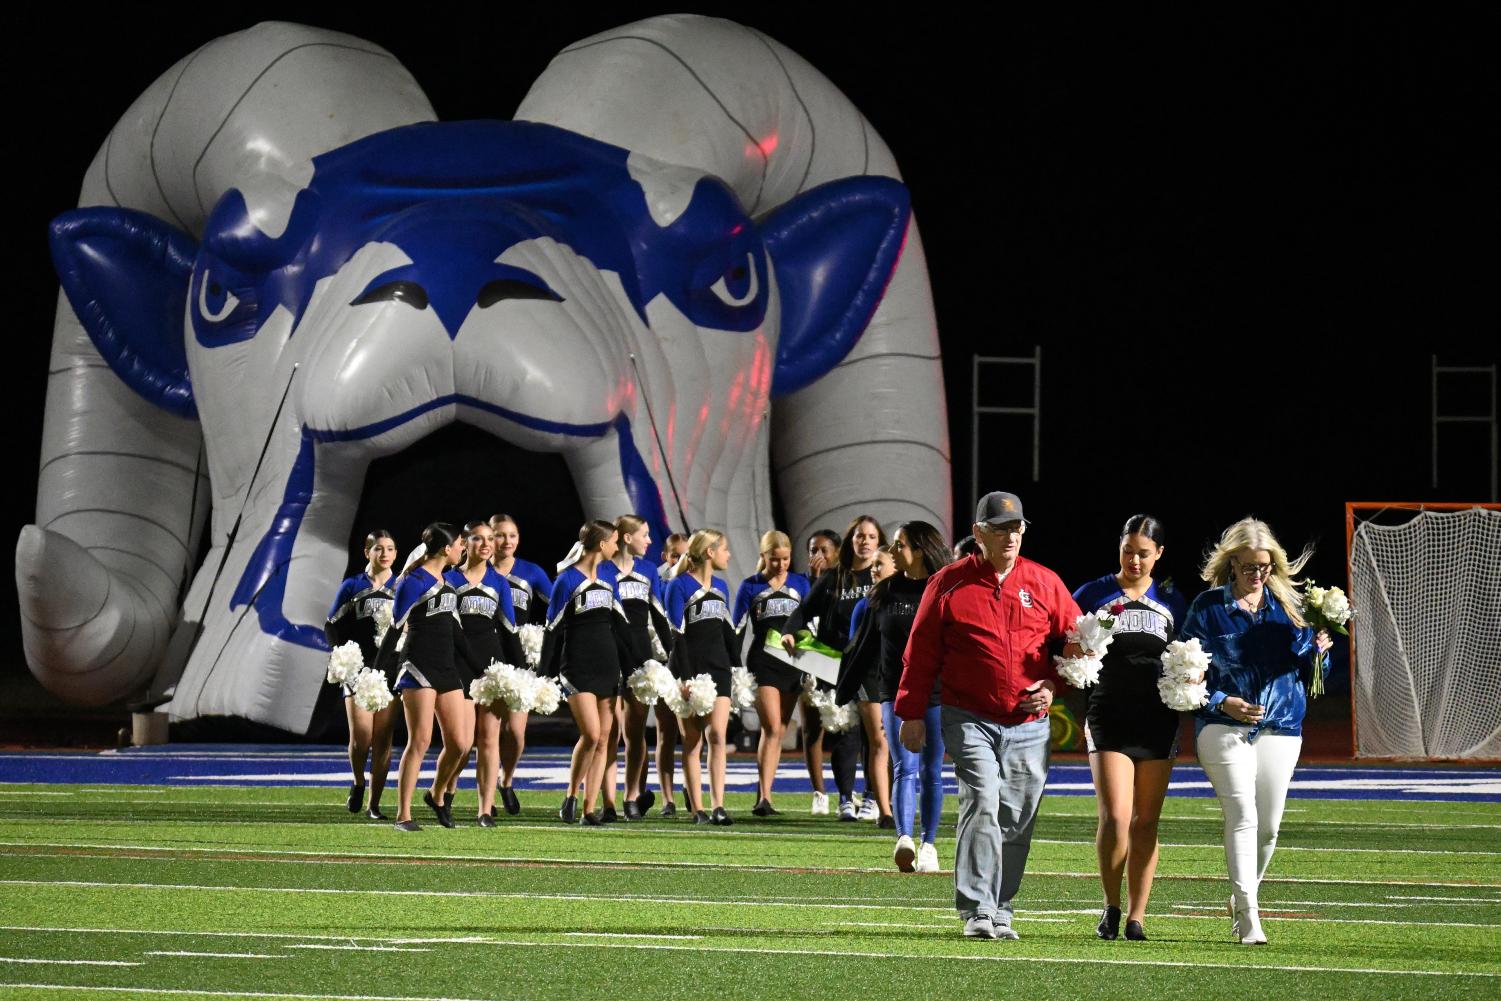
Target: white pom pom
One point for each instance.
(742, 689)
(835, 718)
(700, 692)
(1081, 672)
(810, 689)
(344, 662)
(546, 697)
(369, 690)
(531, 644)
(651, 682)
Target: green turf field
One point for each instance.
(156, 892)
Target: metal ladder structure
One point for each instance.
(1440, 418)
(977, 411)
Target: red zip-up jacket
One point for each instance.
(985, 642)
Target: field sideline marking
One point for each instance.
(845, 954)
(356, 948)
(67, 962)
(217, 955)
(626, 934)
(729, 949)
(237, 994)
(392, 858)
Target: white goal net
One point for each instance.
(1426, 672)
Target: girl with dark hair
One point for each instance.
(640, 593)
(698, 607)
(1131, 736)
(873, 670)
(588, 641)
(489, 621)
(424, 637)
(763, 603)
(362, 601)
(531, 589)
(832, 600)
(823, 553)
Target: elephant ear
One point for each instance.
(126, 274)
(834, 249)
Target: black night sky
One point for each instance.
(1237, 239)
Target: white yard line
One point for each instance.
(65, 962)
(355, 948)
(216, 955)
(622, 934)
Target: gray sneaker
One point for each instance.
(1006, 932)
(979, 926)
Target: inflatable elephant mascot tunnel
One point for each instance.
(686, 264)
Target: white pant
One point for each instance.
(1251, 779)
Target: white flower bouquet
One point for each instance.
(531, 643)
(382, 618)
(1329, 609)
(1093, 631)
(742, 689)
(344, 663)
(1181, 685)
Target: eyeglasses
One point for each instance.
(1252, 569)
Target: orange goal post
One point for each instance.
(1425, 642)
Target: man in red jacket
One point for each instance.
(986, 630)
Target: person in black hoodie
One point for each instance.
(873, 671)
(832, 601)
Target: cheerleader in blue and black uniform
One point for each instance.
(763, 603)
(698, 607)
(359, 603)
(426, 640)
(489, 622)
(640, 592)
(531, 590)
(588, 642)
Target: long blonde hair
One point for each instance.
(697, 554)
(1250, 533)
(771, 540)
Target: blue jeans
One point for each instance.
(906, 766)
(1001, 772)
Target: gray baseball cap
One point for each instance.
(999, 507)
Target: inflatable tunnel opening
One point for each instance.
(458, 474)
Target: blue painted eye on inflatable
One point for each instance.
(616, 275)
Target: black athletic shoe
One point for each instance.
(594, 820)
(485, 820)
(720, 818)
(356, 798)
(408, 825)
(440, 811)
(1109, 927)
(509, 801)
(669, 809)
(632, 811)
(700, 817)
(1135, 932)
(646, 801)
(448, 801)
(887, 823)
(374, 812)
(569, 813)
(763, 808)
(609, 816)
(494, 811)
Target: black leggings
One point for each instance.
(847, 753)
